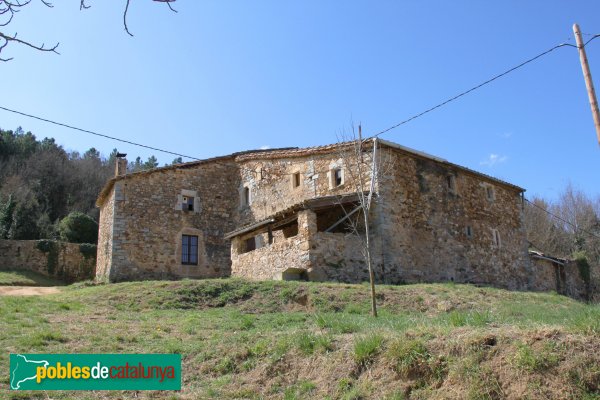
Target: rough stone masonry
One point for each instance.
(272, 214)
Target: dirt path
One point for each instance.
(27, 290)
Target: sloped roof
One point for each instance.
(302, 152)
(314, 203)
(109, 185)
(292, 152)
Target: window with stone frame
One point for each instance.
(189, 249)
(336, 177)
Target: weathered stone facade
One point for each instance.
(69, 262)
(143, 220)
(430, 221)
(271, 215)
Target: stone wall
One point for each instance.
(271, 185)
(435, 222)
(144, 240)
(69, 262)
(105, 238)
(431, 221)
(271, 261)
(563, 279)
(338, 257)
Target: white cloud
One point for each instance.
(506, 135)
(493, 159)
(265, 147)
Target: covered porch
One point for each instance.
(311, 240)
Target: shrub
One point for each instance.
(366, 348)
(583, 266)
(78, 228)
(88, 250)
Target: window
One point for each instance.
(469, 232)
(451, 182)
(188, 200)
(296, 180)
(496, 238)
(189, 250)
(246, 196)
(490, 193)
(337, 177)
(188, 203)
(250, 245)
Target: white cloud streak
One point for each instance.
(493, 159)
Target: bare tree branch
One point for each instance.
(8, 9)
(125, 18)
(8, 39)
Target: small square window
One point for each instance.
(189, 250)
(188, 203)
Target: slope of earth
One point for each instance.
(296, 340)
(26, 278)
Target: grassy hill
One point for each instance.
(292, 340)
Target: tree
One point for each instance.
(6, 216)
(9, 8)
(78, 228)
(568, 228)
(361, 174)
(152, 162)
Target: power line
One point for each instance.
(477, 87)
(96, 133)
(375, 135)
(594, 37)
(561, 219)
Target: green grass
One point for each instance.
(366, 348)
(241, 339)
(26, 278)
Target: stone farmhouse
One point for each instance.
(282, 214)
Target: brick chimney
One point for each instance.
(121, 167)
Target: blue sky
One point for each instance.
(225, 76)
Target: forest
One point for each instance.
(41, 184)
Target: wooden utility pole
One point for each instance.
(587, 75)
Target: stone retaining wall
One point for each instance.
(69, 262)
